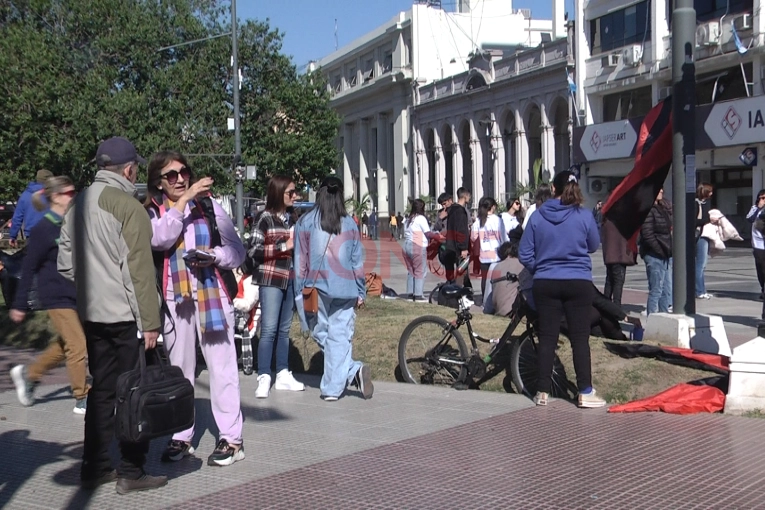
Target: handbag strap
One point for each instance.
(320, 262)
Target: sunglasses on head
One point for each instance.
(172, 176)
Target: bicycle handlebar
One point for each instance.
(509, 277)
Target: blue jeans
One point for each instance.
(416, 260)
(333, 328)
(276, 307)
(702, 253)
(659, 272)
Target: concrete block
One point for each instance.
(746, 391)
(701, 332)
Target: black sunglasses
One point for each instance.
(291, 192)
(172, 176)
(760, 198)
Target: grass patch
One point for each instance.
(380, 325)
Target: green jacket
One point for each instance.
(105, 249)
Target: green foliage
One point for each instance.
(359, 207)
(75, 73)
(528, 190)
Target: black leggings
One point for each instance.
(553, 299)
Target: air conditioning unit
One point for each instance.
(632, 55)
(743, 22)
(612, 60)
(597, 186)
(664, 92)
(708, 34)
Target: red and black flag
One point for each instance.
(631, 201)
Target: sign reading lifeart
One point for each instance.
(736, 122)
(610, 140)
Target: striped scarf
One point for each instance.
(209, 304)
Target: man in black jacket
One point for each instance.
(656, 250)
(457, 234)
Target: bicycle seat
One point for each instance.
(455, 291)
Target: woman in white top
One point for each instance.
(543, 193)
(514, 214)
(416, 235)
(489, 230)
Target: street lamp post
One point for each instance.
(684, 156)
(239, 174)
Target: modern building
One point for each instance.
(374, 81)
(623, 53)
(484, 129)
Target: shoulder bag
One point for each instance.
(311, 293)
(152, 401)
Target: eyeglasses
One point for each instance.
(172, 176)
(291, 192)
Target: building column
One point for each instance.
(478, 163)
(363, 158)
(456, 164)
(347, 148)
(438, 158)
(498, 164)
(548, 142)
(521, 157)
(382, 163)
(401, 160)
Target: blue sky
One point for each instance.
(309, 25)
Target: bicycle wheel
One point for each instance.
(524, 369)
(431, 352)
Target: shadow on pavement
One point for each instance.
(29, 455)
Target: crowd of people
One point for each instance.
(119, 274)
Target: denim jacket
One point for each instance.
(338, 273)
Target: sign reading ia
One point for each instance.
(736, 122)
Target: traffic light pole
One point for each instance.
(684, 157)
(237, 129)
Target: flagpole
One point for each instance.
(684, 157)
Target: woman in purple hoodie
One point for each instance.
(195, 245)
(555, 248)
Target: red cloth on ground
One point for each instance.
(683, 398)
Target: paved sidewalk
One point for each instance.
(408, 447)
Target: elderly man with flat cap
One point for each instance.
(105, 249)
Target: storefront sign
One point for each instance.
(737, 122)
(609, 140)
(749, 156)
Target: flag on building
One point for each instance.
(631, 201)
(739, 45)
(571, 84)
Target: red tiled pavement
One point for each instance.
(555, 457)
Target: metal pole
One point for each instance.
(237, 130)
(684, 156)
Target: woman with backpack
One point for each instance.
(57, 295)
(555, 248)
(329, 259)
(195, 248)
(488, 232)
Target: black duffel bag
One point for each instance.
(153, 401)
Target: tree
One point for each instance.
(75, 73)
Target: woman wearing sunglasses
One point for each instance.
(195, 244)
(271, 249)
(57, 295)
(513, 216)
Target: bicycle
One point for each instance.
(442, 357)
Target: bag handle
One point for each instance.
(141, 364)
(320, 262)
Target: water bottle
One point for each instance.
(463, 265)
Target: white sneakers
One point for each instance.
(284, 381)
(264, 386)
